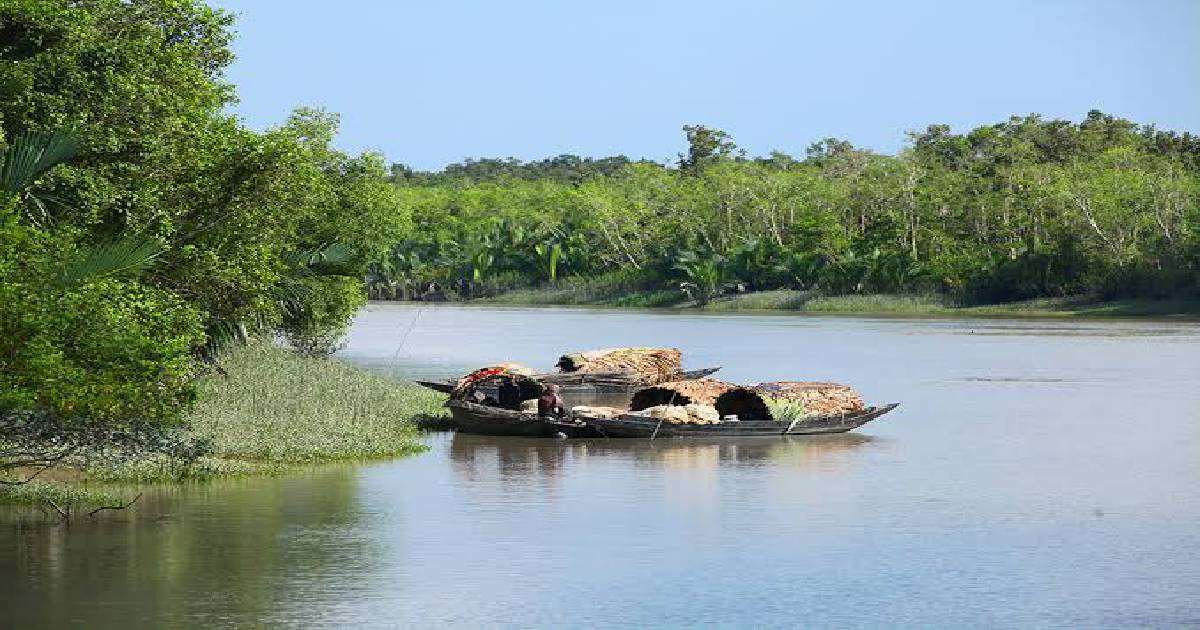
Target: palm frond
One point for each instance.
(331, 259)
(121, 256)
(293, 297)
(222, 335)
(30, 155)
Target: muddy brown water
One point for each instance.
(1038, 473)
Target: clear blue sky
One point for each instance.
(432, 82)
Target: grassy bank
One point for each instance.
(926, 305)
(615, 289)
(270, 412)
(597, 293)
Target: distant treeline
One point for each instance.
(1024, 208)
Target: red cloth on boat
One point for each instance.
(550, 404)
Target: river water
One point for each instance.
(1038, 473)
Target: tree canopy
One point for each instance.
(1024, 208)
(167, 229)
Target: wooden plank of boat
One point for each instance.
(575, 428)
(644, 427)
(484, 420)
(444, 387)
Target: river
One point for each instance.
(1037, 473)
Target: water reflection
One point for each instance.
(229, 551)
(520, 460)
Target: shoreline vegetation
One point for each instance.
(268, 411)
(814, 303)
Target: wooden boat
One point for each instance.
(639, 426)
(484, 420)
(577, 384)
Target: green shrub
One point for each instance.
(317, 326)
(109, 351)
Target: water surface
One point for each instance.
(1039, 473)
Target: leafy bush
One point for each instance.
(706, 276)
(109, 351)
(317, 325)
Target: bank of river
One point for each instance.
(1038, 473)
(265, 411)
(790, 301)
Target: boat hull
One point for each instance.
(628, 426)
(484, 420)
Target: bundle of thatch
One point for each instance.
(702, 391)
(514, 371)
(684, 414)
(703, 414)
(587, 411)
(648, 365)
(817, 398)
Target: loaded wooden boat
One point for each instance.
(503, 400)
(578, 384)
(641, 426)
(489, 402)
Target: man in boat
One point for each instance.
(509, 394)
(550, 403)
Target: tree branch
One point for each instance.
(115, 507)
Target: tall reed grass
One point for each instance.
(273, 409)
(270, 412)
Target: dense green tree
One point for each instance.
(705, 146)
(167, 229)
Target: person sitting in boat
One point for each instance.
(480, 398)
(550, 403)
(509, 394)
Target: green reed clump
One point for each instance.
(273, 409)
(276, 406)
(783, 410)
(65, 495)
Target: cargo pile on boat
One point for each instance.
(646, 365)
(819, 398)
(485, 373)
(751, 402)
(702, 391)
(685, 414)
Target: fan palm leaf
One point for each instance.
(30, 155)
(121, 256)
